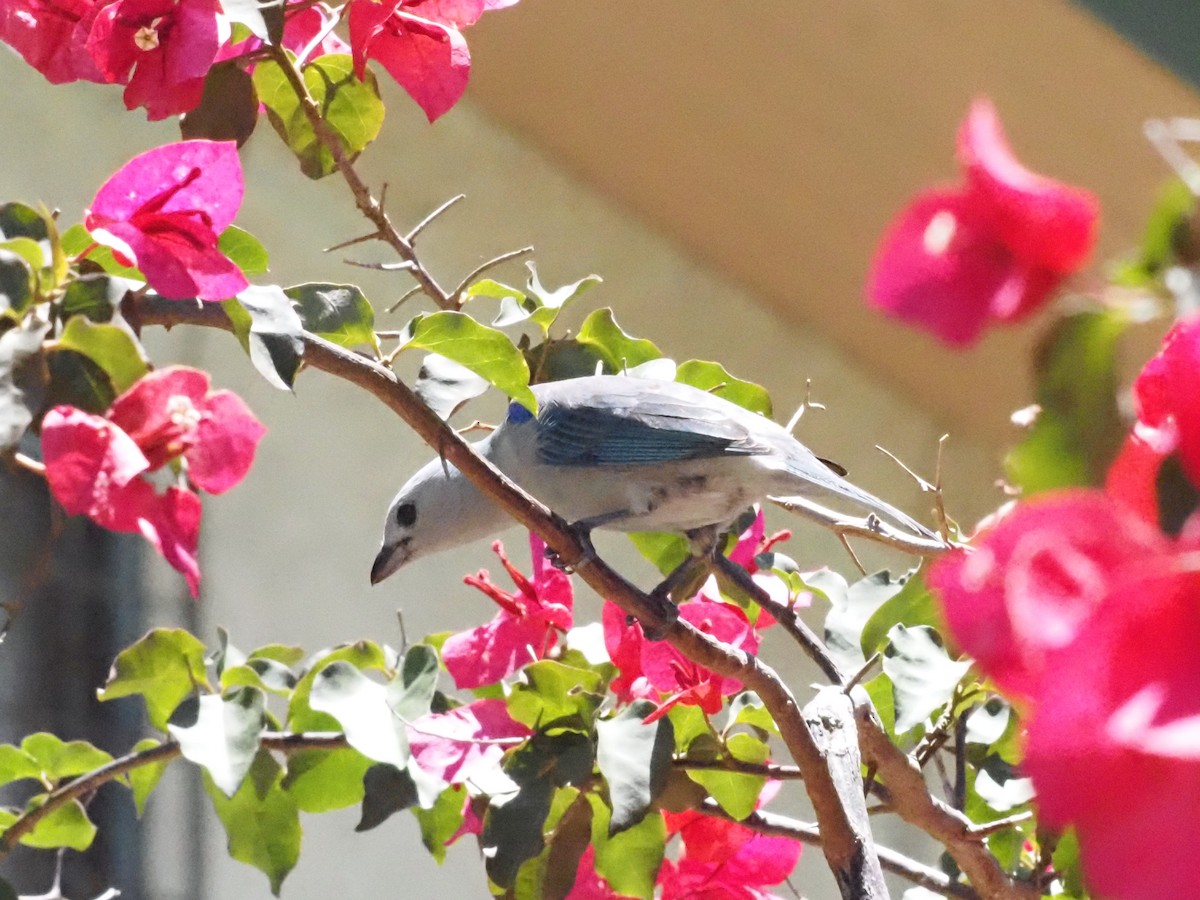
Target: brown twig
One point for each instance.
(909, 797)
(483, 267)
(363, 199)
(869, 526)
(766, 770)
(88, 783)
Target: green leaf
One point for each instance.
(337, 312)
(486, 287)
(441, 822)
(244, 249)
(261, 820)
(748, 709)
(1079, 430)
(513, 827)
(94, 294)
(689, 724)
(988, 722)
(387, 790)
(553, 693)
(57, 759)
(737, 793)
(16, 280)
(263, 674)
(361, 655)
(851, 609)
(443, 385)
(567, 842)
(1000, 786)
(666, 551)
(324, 780)
(68, 826)
(912, 605)
(923, 675)
(601, 333)
(111, 348)
(350, 107)
(485, 351)
(714, 378)
(361, 707)
(222, 734)
(270, 331)
(164, 667)
(628, 860)
(144, 779)
(1168, 224)
(538, 305)
(287, 654)
(1067, 864)
(228, 108)
(77, 239)
(22, 387)
(76, 380)
(16, 764)
(410, 693)
(634, 760)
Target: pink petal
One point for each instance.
(161, 411)
(1133, 478)
(464, 742)
(1168, 396)
(941, 268)
(455, 13)
(303, 26)
(190, 177)
(172, 524)
(429, 60)
(89, 464)
(226, 440)
(1113, 744)
(50, 36)
(664, 666)
(1042, 221)
(1035, 581)
(484, 655)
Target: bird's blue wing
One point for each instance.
(640, 424)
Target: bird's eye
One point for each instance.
(406, 514)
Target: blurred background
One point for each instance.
(727, 168)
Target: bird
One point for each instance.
(622, 453)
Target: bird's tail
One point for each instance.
(828, 482)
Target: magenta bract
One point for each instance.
(164, 210)
(994, 250)
(94, 463)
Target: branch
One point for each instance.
(88, 783)
(869, 526)
(840, 844)
(910, 799)
(366, 203)
(775, 825)
(767, 770)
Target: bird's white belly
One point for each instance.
(666, 497)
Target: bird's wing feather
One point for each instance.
(637, 424)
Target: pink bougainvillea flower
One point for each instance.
(160, 49)
(172, 413)
(466, 741)
(420, 44)
(751, 544)
(95, 464)
(1035, 579)
(667, 670)
(163, 212)
(525, 628)
(51, 36)
(994, 250)
(724, 859)
(1114, 740)
(1168, 420)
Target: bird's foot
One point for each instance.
(583, 534)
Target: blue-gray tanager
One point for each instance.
(631, 454)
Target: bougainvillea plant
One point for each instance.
(1026, 699)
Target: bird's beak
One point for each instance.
(388, 560)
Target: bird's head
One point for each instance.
(437, 509)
